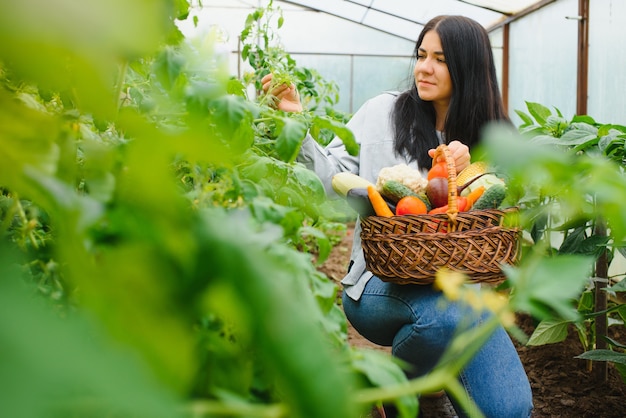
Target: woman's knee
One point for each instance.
(513, 405)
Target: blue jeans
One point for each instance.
(419, 323)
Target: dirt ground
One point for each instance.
(562, 386)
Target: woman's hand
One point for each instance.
(288, 99)
(459, 152)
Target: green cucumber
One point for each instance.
(394, 191)
(491, 198)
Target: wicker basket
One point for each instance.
(410, 249)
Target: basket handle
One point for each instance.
(453, 208)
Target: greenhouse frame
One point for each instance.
(555, 52)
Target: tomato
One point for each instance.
(411, 205)
(440, 169)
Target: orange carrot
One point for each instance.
(378, 203)
(461, 202)
(474, 195)
(440, 209)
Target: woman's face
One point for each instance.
(432, 77)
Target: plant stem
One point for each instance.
(204, 408)
(601, 281)
(120, 84)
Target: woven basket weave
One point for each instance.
(410, 249)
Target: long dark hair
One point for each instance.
(475, 97)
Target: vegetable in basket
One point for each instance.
(403, 174)
(394, 190)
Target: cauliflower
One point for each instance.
(404, 174)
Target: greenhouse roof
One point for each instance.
(405, 18)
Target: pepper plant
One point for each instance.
(572, 188)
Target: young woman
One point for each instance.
(454, 96)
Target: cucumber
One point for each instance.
(491, 198)
(394, 191)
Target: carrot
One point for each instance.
(474, 195)
(378, 203)
(462, 205)
(440, 209)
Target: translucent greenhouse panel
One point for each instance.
(373, 75)
(323, 33)
(543, 59)
(361, 77)
(607, 65)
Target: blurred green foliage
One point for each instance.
(158, 239)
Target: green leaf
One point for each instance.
(310, 184)
(339, 129)
(539, 112)
(586, 303)
(584, 118)
(91, 372)
(621, 311)
(182, 9)
(576, 137)
(233, 116)
(27, 139)
(604, 355)
(615, 343)
(281, 310)
(322, 241)
(547, 286)
(290, 139)
(577, 242)
(236, 87)
(75, 47)
(266, 210)
(230, 111)
(381, 372)
(618, 287)
(549, 331)
(545, 139)
(526, 119)
(168, 66)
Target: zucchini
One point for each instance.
(491, 198)
(344, 181)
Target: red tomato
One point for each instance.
(440, 169)
(410, 205)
